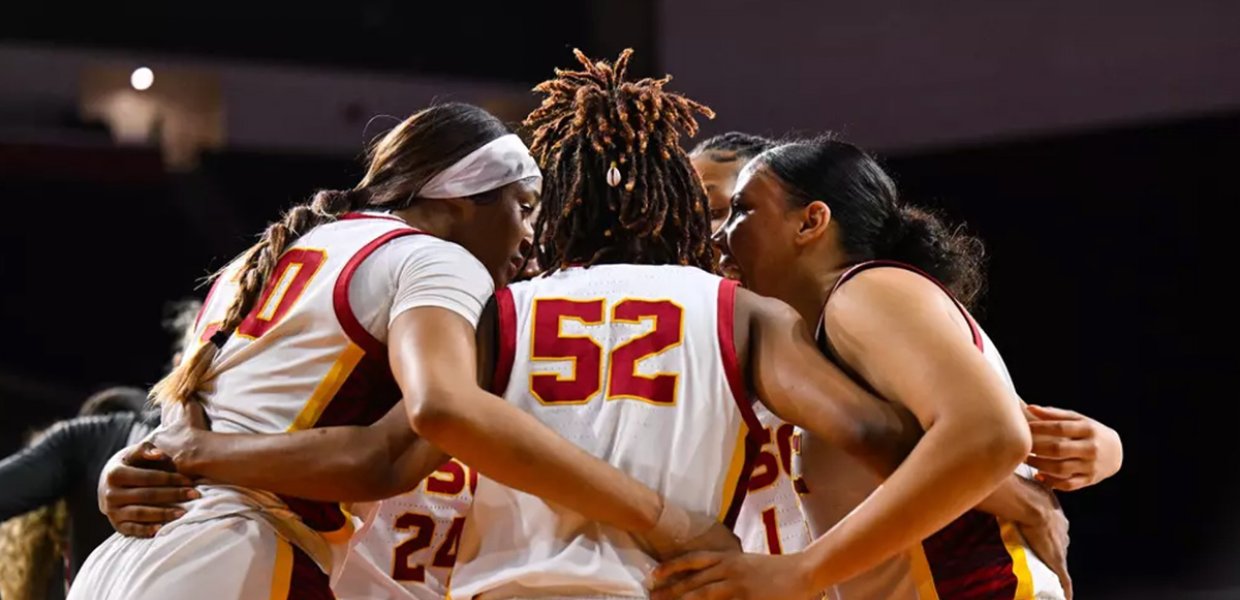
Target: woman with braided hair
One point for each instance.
(345, 306)
(632, 350)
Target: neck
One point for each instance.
(429, 216)
(806, 290)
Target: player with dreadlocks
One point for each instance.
(356, 311)
(629, 347)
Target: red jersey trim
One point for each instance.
(727, 350)
(873, 264)
(215, 285)
(340, 294)
(349, 216)
(507, 340)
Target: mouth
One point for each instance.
(514, 266)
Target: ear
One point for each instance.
(815, 217)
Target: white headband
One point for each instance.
(498, 163)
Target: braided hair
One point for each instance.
(399, 165)
(740, 145)
(592, 124)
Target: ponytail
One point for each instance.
(254, 272)
(919, 238)
(874, 223)
(399, 165)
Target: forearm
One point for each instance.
(334, 464)
(515, 449)
(32, 478)
(951, 470)
(1018, 500)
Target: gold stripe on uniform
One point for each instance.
(282, 573)
(310, 413)
(1020, 560)
(733, 479)
(328, 388)
(919, 566)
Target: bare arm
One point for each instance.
(334, 464)
(791, 377)
(433, 353)
(904, 337)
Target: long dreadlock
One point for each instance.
(591, 121)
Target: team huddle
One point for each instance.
(600, 366)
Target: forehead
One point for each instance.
(717, 166)
(757, 180)
(528, 190)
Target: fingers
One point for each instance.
(138, 514)
(1074, 429)
(714, 591)
(1054, 414)
(117, 498)
(694, 561)
(135, 477)
(137, 529)
(1056, 447)
(700, 579)
(1061, 469)
(1070, 484)
(148, 456)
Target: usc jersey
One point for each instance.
(408, 546)
(770, 519)
(637, 366)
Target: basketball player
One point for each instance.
(770, 520)
(295, 335)
(818, 224)
(1071, 450)
(669, 404)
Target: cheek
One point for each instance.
(743, 240)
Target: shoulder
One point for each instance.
(421, 249)
(763, 309)
(426, 261)
(884, 296)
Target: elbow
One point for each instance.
(1006, 442)
(432, 414)
(994, 442)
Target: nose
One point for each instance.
(527, 231)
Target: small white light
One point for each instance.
(142, 78)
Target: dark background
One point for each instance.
(1109, 245)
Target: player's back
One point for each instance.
(636, 365)
(311, 353)
(408, 546)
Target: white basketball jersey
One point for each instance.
(409, 545)
(770, 520)
(976, 557)
(636, 365)
(301, 359)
